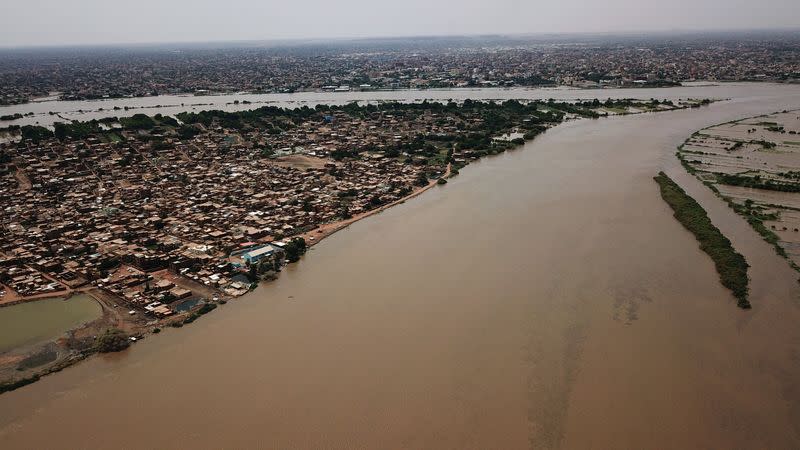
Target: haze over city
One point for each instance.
(99, 22)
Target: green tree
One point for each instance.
(35, 133)
(112, 340)
(295, 249)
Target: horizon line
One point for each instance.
(342, 39)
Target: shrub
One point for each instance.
(112, 340)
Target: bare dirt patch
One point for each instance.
(300, 162)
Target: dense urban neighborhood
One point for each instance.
(579, 60)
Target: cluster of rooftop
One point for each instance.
(398, 63)
(157, 209)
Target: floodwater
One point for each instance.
(45, 113)
(544, 298)
(41, 320)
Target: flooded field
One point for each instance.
(47, 112)
(38, 321)
(755, 164)
(543, 298)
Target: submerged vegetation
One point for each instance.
(755, 216)
(730, 264)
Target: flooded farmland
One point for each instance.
(543, 298)
(754, 164)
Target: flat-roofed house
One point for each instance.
(256, 255)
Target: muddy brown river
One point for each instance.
(544, 298)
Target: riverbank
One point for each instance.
(318, 234)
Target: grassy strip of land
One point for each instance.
(730, 264)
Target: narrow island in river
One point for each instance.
(730, 264)
(161, 218)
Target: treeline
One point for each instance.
(496, 116)
(731, 265)
(238, 119)
(77, 130)
(624, 103)
(32, 132)
(35, 133)
(757, 182)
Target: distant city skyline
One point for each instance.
(95, 22)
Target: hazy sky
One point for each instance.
(64, 22)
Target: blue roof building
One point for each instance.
(257, 254)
